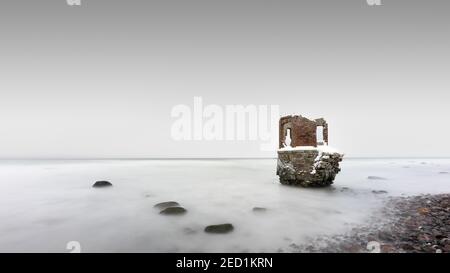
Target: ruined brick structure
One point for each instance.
(307, 160)
(303, 132)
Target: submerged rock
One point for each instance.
(379, 192)
(173, 211)
(101, 184)
(222, 228)
(372, 177)
(189, 231)
(168, 204)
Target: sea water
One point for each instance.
(45, 204)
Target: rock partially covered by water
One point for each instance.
(259, 209)
(222, 228)
(101, 184)
(373, 177)
(173, 211)
(308, 166)
(379, 192)
(165, 205)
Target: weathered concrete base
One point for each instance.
(308, 167)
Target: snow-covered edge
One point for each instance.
(320, 149)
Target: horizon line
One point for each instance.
(213, 158)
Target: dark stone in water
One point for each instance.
(379, 192)
(223, 228)
(173, 211)
(259, 209)
(165, 205)
(101, 184)
(376, 178)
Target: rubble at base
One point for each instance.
(308, 167)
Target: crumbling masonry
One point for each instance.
(304, 157)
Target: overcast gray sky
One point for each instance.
(100, 80)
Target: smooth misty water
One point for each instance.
(45, 204)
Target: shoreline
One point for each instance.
(414, 224)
